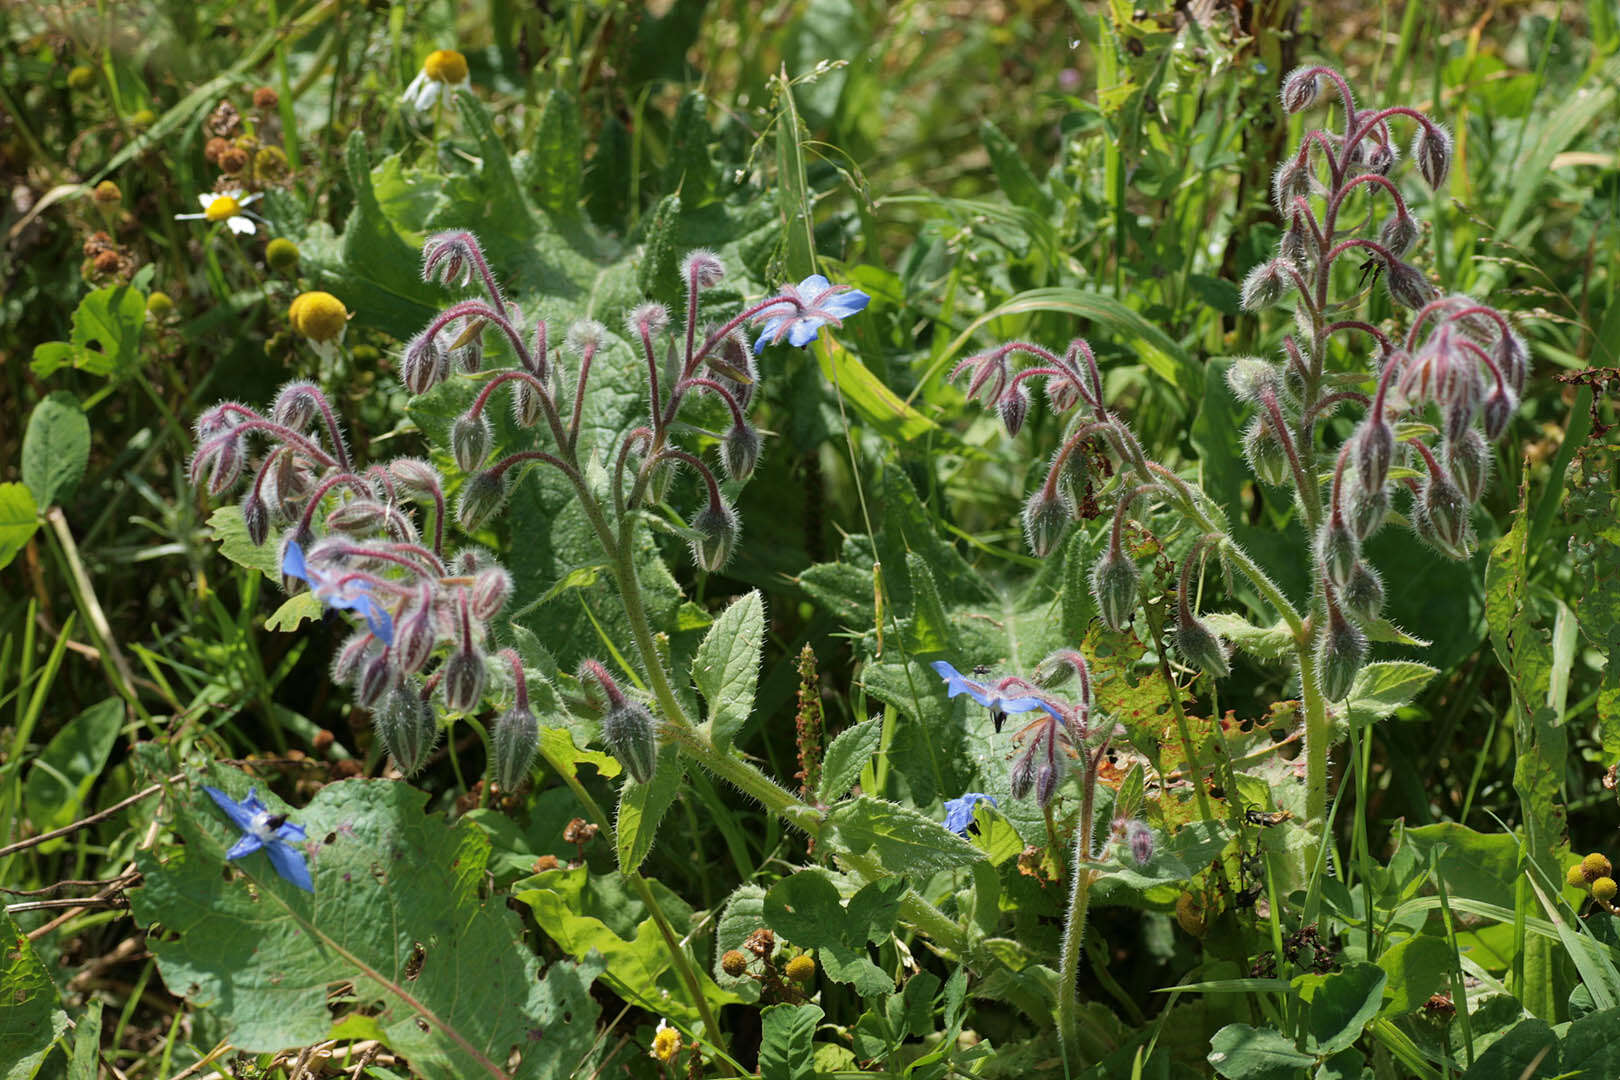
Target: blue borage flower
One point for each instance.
(263, 831)
(957, 683)
(959, 812)
(819, 302)
(355, 596)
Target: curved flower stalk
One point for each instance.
(1431, 397)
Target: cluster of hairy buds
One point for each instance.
(627, 725)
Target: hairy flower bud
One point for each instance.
(650, 318)
(1498, 411)
(469, 357)
(1375, 157)
(1431, 146)
(628, 731)
(525, 405)
(1022, 777)
(1512, 358)
(256, 516)
(1340, 655)
(1265, 285)
(1139, 838)
(1364, 595)
(409, 729)
(1440, 517)
(1046, 778)
(1046, 516)
(717, 530)
(733, 366)
(415, 635)
(1251, 378)
(1299, 89)
(374, 678)
(415, 475)
(492, 587)
(1399, 233)
(1200, 648)
(1266, 454)
(1406, 285)
(1013, 407)
(1291, 181)
(463, 681)
(1366, 510)
(469, 440)
(703, 267)
(346, 663)
(296, 405)
(1373, 450)
(1337, 550)
(1113, 585)
(1469, 461)
(481, 496)
(423, 366)
(514, 741)
(1294, 247)
(358, 516)
(739, 451)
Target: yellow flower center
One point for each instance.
(666, 1044)
(446, 66)
(222, 207)
(319, 316)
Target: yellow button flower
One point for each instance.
(226, 206)
(443, 71)
(666, 1043)
(321, 318)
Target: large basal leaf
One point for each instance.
(32, 1019)
(902, 840)
(438, 972)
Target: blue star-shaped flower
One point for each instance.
(819, 302)
(957, 683)
(353, 597)
(959, 812)
(262, 830)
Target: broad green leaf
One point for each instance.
(1241, 1052)
(62, 775)
(642, 808)
(440, 973)
(55, 448)
(32, 1019)
(931, 631)
(744, 913)
(87, 1044)
(726, 669)
(19, 517)
(846, 756)
(1529, 1051)
(1017, 183)
(558, 748)
(230, 531)
(1274, 642)
(106, 335)
(1418, 968)
(807, 910)
(557, 157)
(1381, 688)
(499, 183)
(294, 611)
(1343, 1003)
(785, 1042)
(903, 840)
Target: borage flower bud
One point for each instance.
(415, 635)
(1431, 146)
(717, 530)
(1046, 778)
(1264, 285)
(1062, 393)
(1440, 517)
(1046, 516)
(1406, 285)
(1022, 777)
(346, 662)
(627, 729)
(409, 729)
(1291, 181)
(1512, 358)
(516, 738)
(525, 405)
(375, 677)
(1293, 247)
(492, 587)
(1341, 654)
(733, 366)
(650, 319)
(1139, 838)
(1063, 665)
(423, 366)
(1250, 378)
(1299, 89)
(1499, 409)
(1469, 461)
(1366, 510)
(1113, 585)
(416, 476)
(1337, 550)
(1013, 407)
(1200, 648)
(481, 497)
(704, 267)
(1375, 157)
(1373, 450)
(463, 680)
(256, 516)
(445, 258)
(222, 463)
(1266, 454)
(469, 440)
(1364, 595)
(739, 451)
(358, 516)
(1399, 233)
(468, 357)
(296, 405)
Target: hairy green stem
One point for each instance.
(1074, 924)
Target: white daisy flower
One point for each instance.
(444, 70)
(226, 206)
